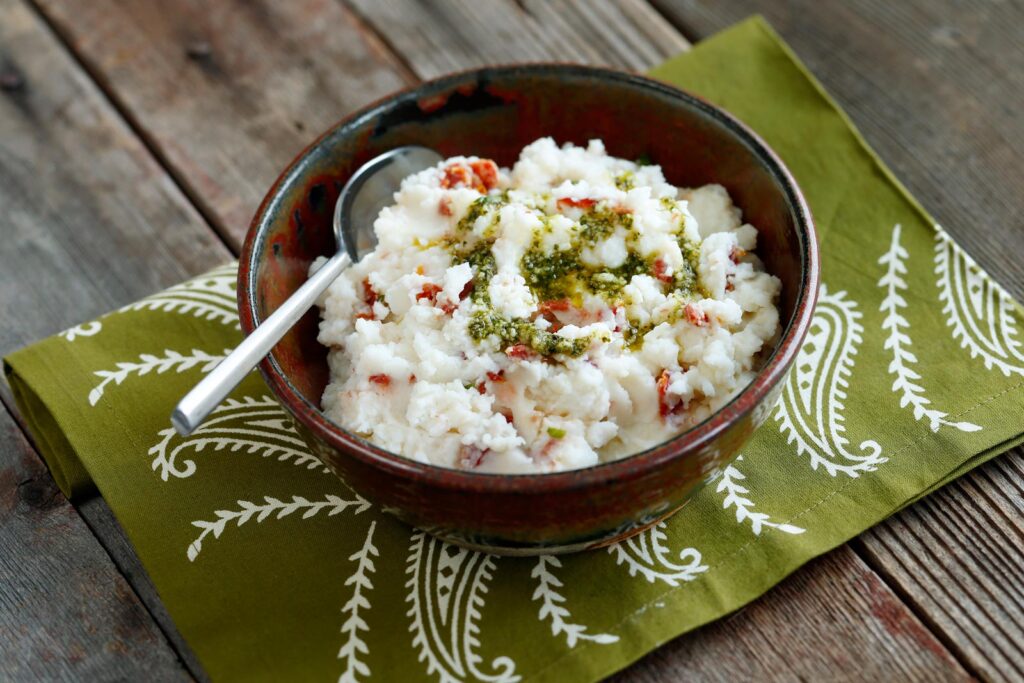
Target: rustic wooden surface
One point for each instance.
(137, 138)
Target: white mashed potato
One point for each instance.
(572, 310)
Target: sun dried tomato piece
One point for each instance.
(383, 380)
(585, 203)
(663, 407)
(456, 175)
(429, 291)
(518, 351)
(498, 376)
(470, 457)
(444, 207)
(696, 315)
(466, 290)
(661, 271)
(369, 293)
(554, 305)
(486, 172)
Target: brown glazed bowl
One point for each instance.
(495, 112)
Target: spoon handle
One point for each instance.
(215, 387)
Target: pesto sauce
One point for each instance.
(561, 274)
(478, 208)
(509, 331)
(599, 224)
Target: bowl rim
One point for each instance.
(625, 469)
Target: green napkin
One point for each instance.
(271, 569)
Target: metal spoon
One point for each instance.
(371, 188)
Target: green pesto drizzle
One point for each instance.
(478, 208)
(561, 274)
(510, 331)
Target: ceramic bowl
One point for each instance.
(494, 112)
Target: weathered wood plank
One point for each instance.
(958, 556)
(90, 222)
(65, 611)
(437, 38)
(936, 88)
(811, 627)
(228, 92)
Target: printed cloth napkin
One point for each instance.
(911, 375)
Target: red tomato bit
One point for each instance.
(661, 271)
(498, 376)
(554, 305)
(696, 315)
(663, 407)
(444, 207)
(369, 293)
(470, 457)
(577, 203)
(455, 175)
(383, 380)
(518, 351)
(429, 291)
(486, 171)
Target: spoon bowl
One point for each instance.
(369, 189)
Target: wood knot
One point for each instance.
(39, 493)
(199, 50)
(11, 79)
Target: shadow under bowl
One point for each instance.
(494, 112)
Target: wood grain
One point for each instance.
(833, 620)
(434, 39)
(228, 92)
(936, 88)
(66, 613)
(90, 222)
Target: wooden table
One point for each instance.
(137, 138)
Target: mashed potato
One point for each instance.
(572, 310)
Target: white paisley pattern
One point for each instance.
(810, 413)
(646, 554)
(446, 590)
(552, 605)
(898, 341)
(280, 509)
(88, 329)
(978, 310)
(257, 426)
(735, 497)
(147, 363)
(354, 645)
(209, 297)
